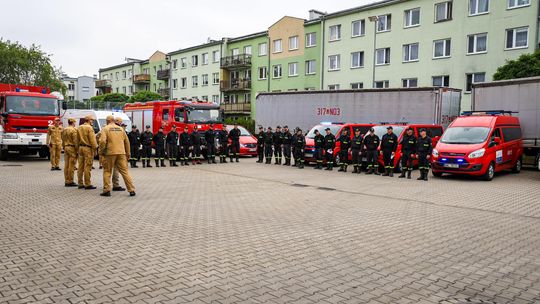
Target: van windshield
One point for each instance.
(333, 128)
(465, 135)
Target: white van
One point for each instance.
(99, 116)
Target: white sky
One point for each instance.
(83, 36)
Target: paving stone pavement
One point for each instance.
(250, 233)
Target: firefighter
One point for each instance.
(70, 144)
(87, 148)
(293, 139)
(278, 142)
(344, 145)
(54, 142)
(159, 142)
(299, 144)
(223, 140)
(389, 144)
(115, 175)
(261, 137)
(146, 141)
(134, 143)
(287, 143)
(319, 147)
(268, 141)
(356, 148)
(185, 147)
(197, 141)
(424, 148)
(210, 137)
(172, 146)
(329, 146)
(371, 142)
(114, 146)
(234, 135)
(408, 149)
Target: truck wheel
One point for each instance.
(490, 172)
(436, 174)
(4, 154)
(538, 161)
(517, 167)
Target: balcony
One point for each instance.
(103, 83)
(163, 74)
(141, 78)
(235, 85)
(164, 92)
(230, 108)
(236, 62)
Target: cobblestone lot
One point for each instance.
(250, 233)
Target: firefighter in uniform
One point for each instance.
(261, 137)
(329, 146)
(115, 147)
(344, 146)
(70, 144)
(278, 142)
(159, 142)
(185, 145)
(356, 148)
(287, 143)
(268, 141)
(424, 149)
(54, 142)
(146, 141)
(210, 137)
(389, 144)
(299, 144)
(172, 146)
(234, 135)
(408, 149)
(223, 140)
(319, 147)
(134, 143)
(196, 142)
(87, 148)
(371, 142)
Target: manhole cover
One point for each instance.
(13, 165)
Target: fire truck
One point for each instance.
(26, 113)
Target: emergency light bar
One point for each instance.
(489, 112)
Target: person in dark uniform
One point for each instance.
(424, 148)
(223, 141)
(356, 147)
(185, 147)
(371, 142)
(329, 146)
(261, 136)
(172, 146)
(210, 137)
(293, 146)
(408, 149)
(389, 144)
(287, 143)
(299, 144)
(159, 142)
(134, 143)
(319, 147)
(278, 142)
(268, 142)
(234, 135)
(197, 141)
(344, 146)
(146, 141)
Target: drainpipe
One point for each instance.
(223, 42)
(269, 70)
(536, 46)
(323, 59)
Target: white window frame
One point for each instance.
(204, 80)
(443, 77)
(408, 82)
(385, 84)
(248, 50)
(357, 85)
(261, 49)
(475, 43)
(194, 81)
(215, 80)
(361, 28)
(294, 71)
(336, 36)
(175, 84)
(195, 60)
(183, 62)
(445, 43)
(311, 39)
(408, 18)
(275, 43)
(333, 87)
(265, 76)
(387, 22)
(275, 68)
(361, 57)
(204, 59)
(216, 56)
(517, 5)
(337, 58)
(473, 80)
(308, 70)
(476, 7)
(448, 7)
(295, 40)
(408, 47)
(386, 55)
(514, 35)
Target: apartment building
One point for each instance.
(80, 88)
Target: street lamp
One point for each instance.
(374, 19)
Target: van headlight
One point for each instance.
(477, 153)
(435, 153)
(10, 136)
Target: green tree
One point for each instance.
(28, 66)
(144, 96)
(245, 122)
(109, 101)
(527, 65)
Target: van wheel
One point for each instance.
(538, 161)
(490, 172)
(436, 174)
(517, 167)
(399, 167)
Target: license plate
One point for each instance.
(454, 166)
(252, 150)
(308, 155)
(364, 159)
(35, 143)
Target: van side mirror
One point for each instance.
(436, 138)
(64, 105)
(496, 141)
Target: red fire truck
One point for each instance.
(26, 113)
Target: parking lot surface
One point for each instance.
(252, 233)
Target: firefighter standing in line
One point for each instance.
(54, 142)
(299, 144)
(293, 139)
(329, 146)
(159, 142)
(268, 141)
(319, 147)
(344, 146)
(185, 146)
(371, 142)
(234, 135)
(278, 141)
(408, 148)
(261, 137)
(196, 143)
(223, 139)
(87, 148)
(210, 137)
(424, 149)
(70, 143)
(172, 146)
(287, 142)
(389, 144)
(134, 143)
(146, 141)
(356, 148)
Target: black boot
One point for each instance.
(421, 177)
(163, 163)
(345, 168)
(135, 164)
(174, 163)
(157, 163)
(391, 172)
(171, 163)
(131, 163)
(403, 172)
(341, 168)
(355, 169)
(376, 171)
(386, 173)
(426, 173)
(237, 159)
(148, 163)
(409, 174)
(144, 163)
(369, 171)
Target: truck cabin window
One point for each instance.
(166, 115)
(179, 115)
(32, 105)
(204, 116)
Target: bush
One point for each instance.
(109, 101)
(245, 122)
(144, 96)
(527, 65)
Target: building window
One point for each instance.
(183, 62)
(235, 52)
(155, 87)
(278, 48)
(175, 84)
(441, 48)
(124, 90)
(359, 28)
(443, 11)
(117, 75)
(204, 58)
(517, 38)
(382, 84)
(410, 52)
(247, 49)
(130, 89)
(333, 87)
(247, 97)
(409, 82)
(518, 3)
(334, 62)
(311, 39)
(195, 60)
(335, 32)
(155, 70)
(215, 98)
(204, 98)
(412, 17)
(474, 78)
(441, 81)
(293, 69)
(477, 43)
(183, 82)
(262, 73)
(357, 60)
(247, 74)
(233, 98)
(216, 56)
(382, 56)
(293, 43)
(175, 64)
(124, 74)
(357, 85)
(277, 71)
(194, 81)
(204, 78)
(384, 23)
(263, 49)
(310, 67)
(478, 7)
(117, 90)
(215, 78)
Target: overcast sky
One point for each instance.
(83, 36)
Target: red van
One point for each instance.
(480, 144)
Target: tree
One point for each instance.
(527, 65)
(144, 96)
(245, 122)
(109, 101)
(28, 66)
